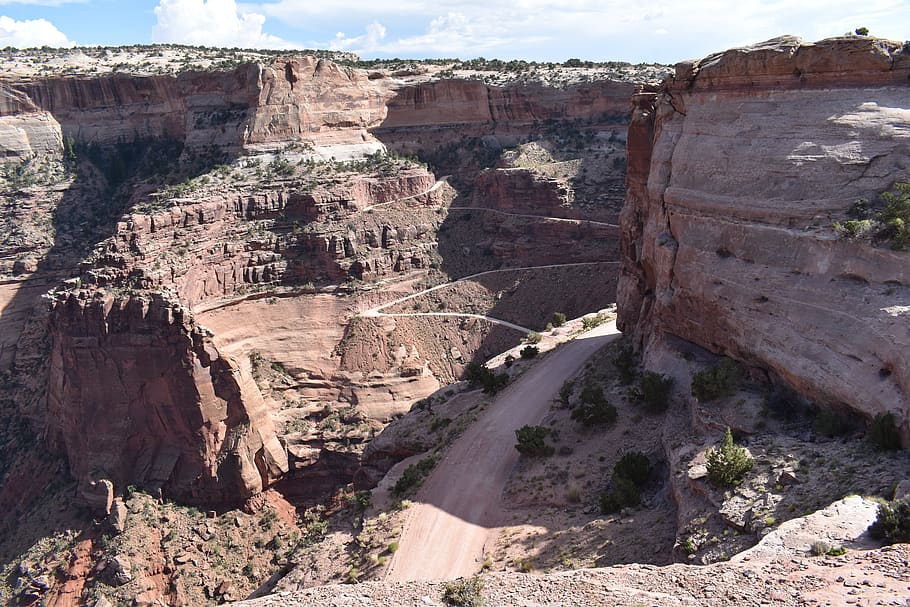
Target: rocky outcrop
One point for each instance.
(738, 166)
(140, 395)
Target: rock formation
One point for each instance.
(139, 394)
(738, 167)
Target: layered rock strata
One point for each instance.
(738, 167)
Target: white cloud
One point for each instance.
(558, 29)
(29, 33)
(211, 23)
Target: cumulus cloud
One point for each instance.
(211, 23)
(30, 33)
(596, 29)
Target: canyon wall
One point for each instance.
(294, 99)
(738, 168)
(139, 394)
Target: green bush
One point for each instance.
(559, 319)
(716, 382)
(532, 441)
(896, 216)
(892, 525)
(729, 463)
(590, 322)
(883, 433)
(533, 338)
(413, 476)
(630, 474)
(623, 494)
(594, 408)
(655, 391)
(634, 466)
(626, 363)
(463, 592)
(529, 351)
(479, 375)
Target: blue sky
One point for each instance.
(545, 30)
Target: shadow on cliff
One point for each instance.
(106, 184)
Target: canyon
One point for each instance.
(238, 305)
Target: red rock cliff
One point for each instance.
(139, 394)
(738, 168)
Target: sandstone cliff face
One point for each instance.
(295, 99)
(139, 394)
(738, 167)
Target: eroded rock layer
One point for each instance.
(738, 168)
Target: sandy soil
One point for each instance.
(459, 505)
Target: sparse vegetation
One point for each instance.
(533, 337)
(883, 433)
(463, 592)
(728, 463)
(413, 476)
(532, 441)
(718, 381)
(630, 474)
(559, 319)
(823, 548)
(626, 363)
(655, 391)
(892, 525)
(529, 352)
(480, 375)
(589, 322)
(594, 408)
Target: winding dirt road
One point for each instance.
(458, 507)
(377, 311)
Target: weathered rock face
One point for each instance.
(301, 98)
(486, 108)
(738, 167)
(139, 394)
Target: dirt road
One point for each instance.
(459, 504)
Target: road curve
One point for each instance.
(455, 510)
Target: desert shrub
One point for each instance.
(720, 380)
(479, 375)
(655, 391)
(728, 463)
(529, 351)
(830, 423)
(463, 592)
(559, 319)
(565, 391)
(623, 493)
(892, 525)
(634, 466)
(594, 408)
(392, 547)
(896, 215)
(823, 548)
(533, 338)
(413, 476)
(590, 322)
(626, 363)
(532, 441)
(883, 433)
(630, 474)
(854, 227)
